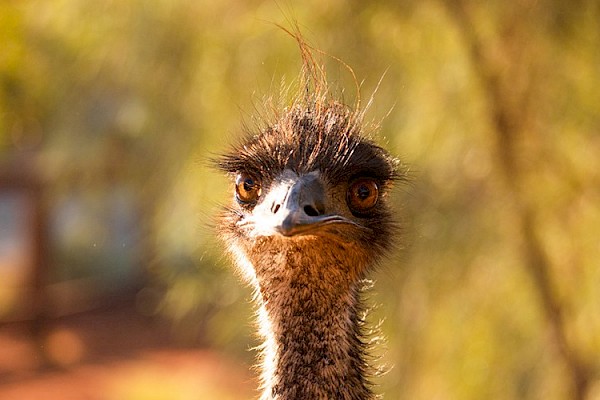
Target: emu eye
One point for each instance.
(362, 195)
(247, 188)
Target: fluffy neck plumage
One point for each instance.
(309, 316)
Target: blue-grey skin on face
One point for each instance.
(297, 205)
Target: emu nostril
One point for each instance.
(275, 208)
(311, 211)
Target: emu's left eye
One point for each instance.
(247, 188)
(362, 195)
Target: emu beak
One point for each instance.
(297, 206)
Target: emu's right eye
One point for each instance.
(247, 188)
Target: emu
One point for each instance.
(309, 220)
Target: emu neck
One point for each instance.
(309, 316)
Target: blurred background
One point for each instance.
(112, 285)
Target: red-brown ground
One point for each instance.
(113, 355)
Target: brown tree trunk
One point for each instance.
(508, 124)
